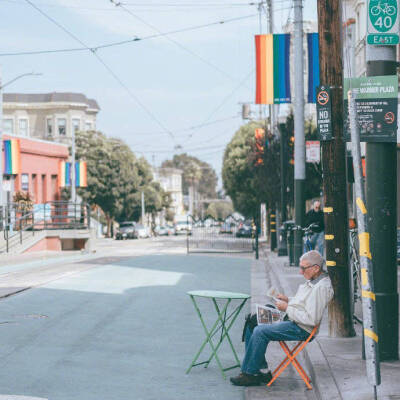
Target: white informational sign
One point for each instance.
(313, 154)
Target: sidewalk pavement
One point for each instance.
(334, 364)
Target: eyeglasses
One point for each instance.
(310, 266)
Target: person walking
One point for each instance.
(316, 216)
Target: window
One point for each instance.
(8, 125)
(76, 124)
(49, 126)
(62, 126)
(25, 182)
(23, 127)
(88, 126)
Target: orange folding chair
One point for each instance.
(291, 355)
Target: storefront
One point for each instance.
(32, 165)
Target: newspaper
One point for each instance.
(268, 315)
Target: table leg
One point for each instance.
(225, 331)
(208, 338)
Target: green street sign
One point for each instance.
(383, 22)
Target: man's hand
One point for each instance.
(282, 297)
(281, 305)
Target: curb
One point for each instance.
(324, 384)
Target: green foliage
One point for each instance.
(251, 176)
(219, 210)
(116, 178)
(195, 171)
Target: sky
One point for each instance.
(162, 94)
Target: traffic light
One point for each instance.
(259, 135)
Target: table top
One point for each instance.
(217, 294)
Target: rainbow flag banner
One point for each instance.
(12, 157)
(313, 65)
(273, 68)
(80, 174)
(64, 174)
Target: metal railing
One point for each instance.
(19, 223)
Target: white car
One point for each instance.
(183, 227)
(142, 231)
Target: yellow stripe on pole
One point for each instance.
(364, 276)
(364, 245)
(361, 205)
(273, 230)
(367, 293)
(331, 263)
(329, 237)
(370, 334)
(328, 209)
(273, 223)
(272, 215)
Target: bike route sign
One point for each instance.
(376, 107)
(383, 22)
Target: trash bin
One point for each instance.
(288, 228)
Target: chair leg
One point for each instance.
(291, 359)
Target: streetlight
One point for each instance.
(1, 134)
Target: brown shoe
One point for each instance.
(244, 379)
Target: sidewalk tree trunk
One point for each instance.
(334, 170)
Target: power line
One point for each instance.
(108, 68)
(128, 41)
(181, 46)
(228, 97)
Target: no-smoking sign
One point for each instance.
(324, 113)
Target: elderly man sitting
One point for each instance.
(304, 312)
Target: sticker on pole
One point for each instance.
(383, 22)
(376, 107)
(313, 151)
(324, 113)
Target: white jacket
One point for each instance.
(307, 306)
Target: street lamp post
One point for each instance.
(1, 135)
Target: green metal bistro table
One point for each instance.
(224, 323)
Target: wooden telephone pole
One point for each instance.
(334, 170)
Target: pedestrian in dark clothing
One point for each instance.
(316, 216)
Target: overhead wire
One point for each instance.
(128, 41)
(108, 68)
(180, 45)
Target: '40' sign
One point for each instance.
(383, 22)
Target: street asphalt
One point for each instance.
(121, 327)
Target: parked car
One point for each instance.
(162, 231)
(183, 227)
(245, 231)
(171, 230)
(226, 227)
(142, 231)
(126, 230)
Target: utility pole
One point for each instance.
(299, 139)
(143, 209)
(381, 171)
(282, 246)
(334, 170)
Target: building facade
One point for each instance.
(48, 116)
(38, 170)
(170, 179)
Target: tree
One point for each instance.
(251, 175)
(116, 178)
(195, 172)
(219, 210)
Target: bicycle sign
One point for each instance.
(383, 22)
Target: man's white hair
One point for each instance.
(313, 257)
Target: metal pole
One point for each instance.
(381, 163)
(367, 281)
(282, 245)
(73, 175)
(299, 140)
(143, 209)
